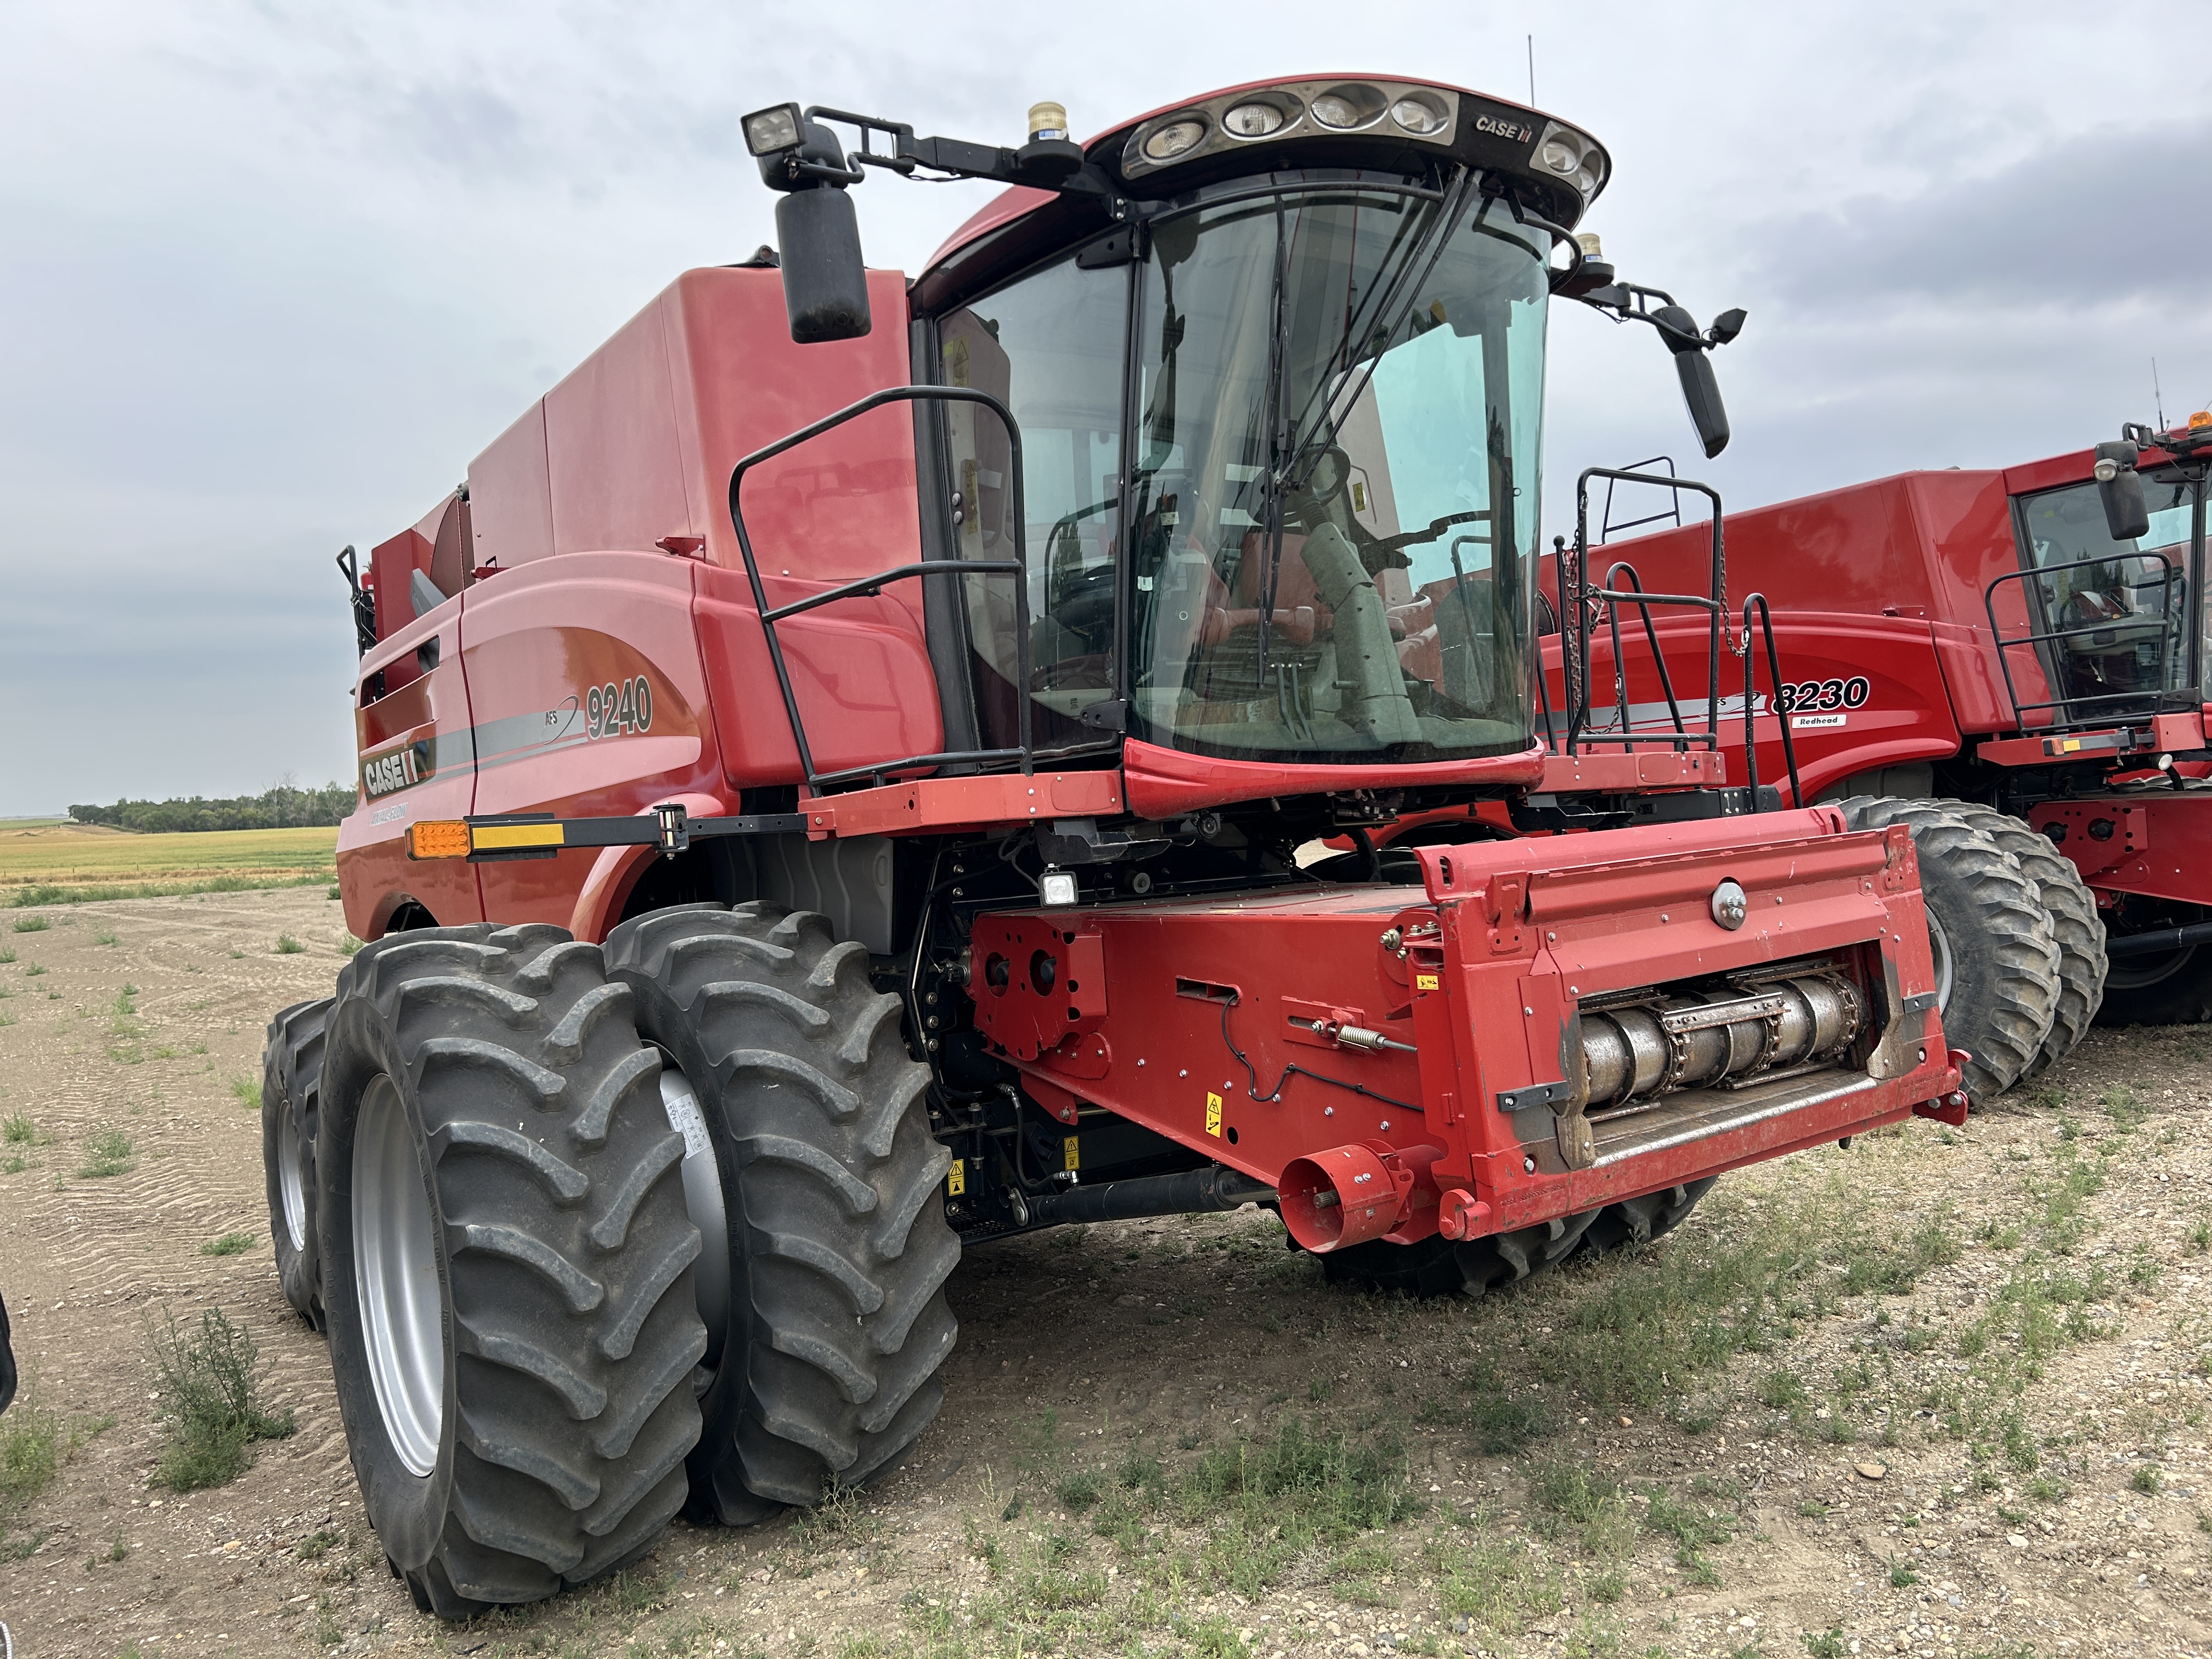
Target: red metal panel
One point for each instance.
(510, 494)
(1166, 783)
(1481, 977)
(422, 725)
(860, 669)
(840, 507)
(2156, 842)
(393, 563)
(546, 646)
(966, 803)
(612, 450)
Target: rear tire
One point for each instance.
(2075, 927)
(291, 1079)
(837, 1246)
(1997, 961)
(1435, 1265)
(506, 1264)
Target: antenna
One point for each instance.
(1532, 71)
(2157, 396)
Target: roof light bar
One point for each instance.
(1396, 110)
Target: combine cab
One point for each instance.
(849, 778)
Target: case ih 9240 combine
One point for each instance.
(2011, 662)
(832, 790)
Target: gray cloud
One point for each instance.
(274, 271)
(2094, 220)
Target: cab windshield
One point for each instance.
(2124, 608)
(1338, 412)
(1329, 389)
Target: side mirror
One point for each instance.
(1701, 392)
(1701, 389)
(825, 286)
(2119, 488)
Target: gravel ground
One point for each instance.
(1943, 1393)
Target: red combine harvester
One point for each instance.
(2016, 656)
(833, 788)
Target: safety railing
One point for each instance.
(1581, 606)
(1671, 513)
(1750, 701)
(2071, 711)
(869, 586)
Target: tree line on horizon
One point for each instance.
(281, 808)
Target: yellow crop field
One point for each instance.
(67, 863)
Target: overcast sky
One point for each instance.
(272, 273)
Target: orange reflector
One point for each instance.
(491, 837)
(438, 838)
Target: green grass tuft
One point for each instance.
(288, 946)
(228, 1244)
(32, 924)
(246, 1090)
(106, 1153)
(211, 1409)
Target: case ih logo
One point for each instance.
(1503, 126)
(394, 769)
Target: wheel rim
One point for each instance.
(291, 1185)
(396, 1258)
(1939, 947)
(703, 1202)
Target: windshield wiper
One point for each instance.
(1427, 256)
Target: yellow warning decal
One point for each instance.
(956, 1182)
(1425, 982)
(1213, 1115)
(1070, 1155)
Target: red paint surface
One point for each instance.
(1534, 925)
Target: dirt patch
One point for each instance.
(1943, 1392)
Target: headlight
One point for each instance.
(1344, 107)
(768, 130)
(1173, 139)
(1573, 156)
(1418, 114)
(1254, 120)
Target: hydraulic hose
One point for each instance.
(1214, 1187)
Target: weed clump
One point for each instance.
(212, 1406)
(288, 946)
(228, 1244)
(32, 924)
(106, 1153)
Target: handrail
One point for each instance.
(1018, 567)
(1650, 638)
(1781, 714)
(1607, 527)
(2069, 710)
(1579, 602)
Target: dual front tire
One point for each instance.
(542, 1243)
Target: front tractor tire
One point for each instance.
(1996, 954)
(291, 1084)
(506, 1264)
(836, 1249)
